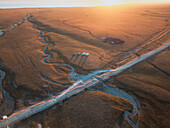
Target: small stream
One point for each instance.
(81, 82)
(9, 104)
(73, 75)
(77, 79)
(107, 89)
(122, 94)
(2, 31)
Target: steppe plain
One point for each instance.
(132, 30)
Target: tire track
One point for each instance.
(161, 70)
(90, 33)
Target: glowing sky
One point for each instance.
(68, 3)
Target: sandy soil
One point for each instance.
(73, 30)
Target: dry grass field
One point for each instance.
(112, 36)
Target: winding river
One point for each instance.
(2, 31)
(82, 82)
(107, 89)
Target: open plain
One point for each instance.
(39, 59)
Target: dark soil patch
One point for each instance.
(113, 40)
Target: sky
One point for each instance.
(69, 3)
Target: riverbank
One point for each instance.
(34, 49)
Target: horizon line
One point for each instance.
(70, 6)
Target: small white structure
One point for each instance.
(83, 53)
(1, 32)
(12, 27)
(112, 42)
(4, 117)
(87, 54)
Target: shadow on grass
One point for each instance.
(81, 59)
